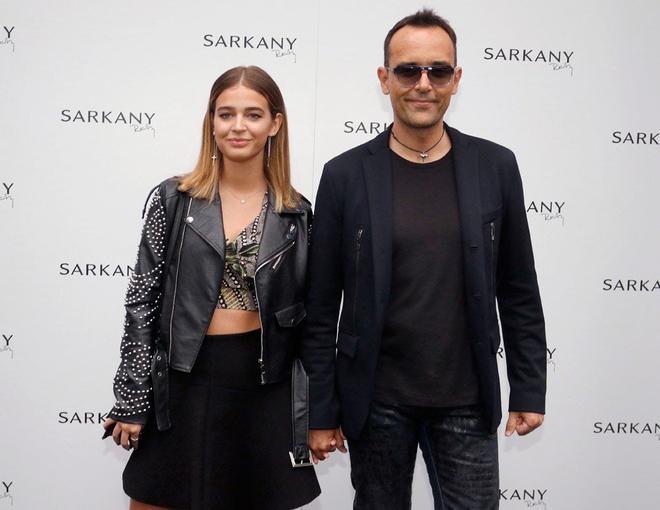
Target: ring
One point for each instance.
(134, 439)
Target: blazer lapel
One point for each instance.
(377, 168)
(466, 166)
(206, 220)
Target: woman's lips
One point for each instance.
(238, 142)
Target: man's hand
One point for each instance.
(322, 442)
(522, 423)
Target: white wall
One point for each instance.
(72, 192)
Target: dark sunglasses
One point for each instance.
(409, 74)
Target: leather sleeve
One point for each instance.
(132, 383)
(519, 302)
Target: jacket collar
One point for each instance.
(278, 230)
(205, 218)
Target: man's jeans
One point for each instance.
(460, 456)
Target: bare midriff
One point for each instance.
(227, 322)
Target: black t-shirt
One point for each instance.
(425, 356)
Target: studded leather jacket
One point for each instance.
(169, 306)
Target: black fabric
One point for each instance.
(355, 195)
(228, 446)
(425, 357)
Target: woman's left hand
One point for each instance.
(125, 434)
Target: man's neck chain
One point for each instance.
(422, 154)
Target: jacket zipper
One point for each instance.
(176, 282)
(260, 361)
(492, 255)
(357, 267)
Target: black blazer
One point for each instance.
(351, 258)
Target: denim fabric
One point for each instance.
(459, 452)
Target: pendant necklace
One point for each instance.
(242, 200)
(422, 154)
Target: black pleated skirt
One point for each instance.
(228, 446)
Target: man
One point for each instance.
(419, 231)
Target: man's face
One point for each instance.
(421, 106)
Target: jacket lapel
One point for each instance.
(278, 229)
(466, 167)
(205, 218)
(377, 168)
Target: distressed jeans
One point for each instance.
(459, 452)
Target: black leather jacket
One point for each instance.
(167, 316)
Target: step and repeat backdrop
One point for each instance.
(100, 101)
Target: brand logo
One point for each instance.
(533, 497)
(549, 211)
(71, 269)
(5, 193)
(6, 492)
(7, 40)
(279, 46)
(636, 138)
(614, 285)
(138, 121)
(6, 345)
(366, 128)
(81, 418)
(551, 356)
(556, 59)
(627, 428)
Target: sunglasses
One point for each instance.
(409, 75)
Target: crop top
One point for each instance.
(237, 291)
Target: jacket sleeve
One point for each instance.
(132, 383)
(323, 300)
(519, 303)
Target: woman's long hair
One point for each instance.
(203, 181)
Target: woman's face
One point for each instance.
(242, 123)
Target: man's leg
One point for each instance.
(383, 459)
(461, 459)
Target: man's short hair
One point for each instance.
(423, 18)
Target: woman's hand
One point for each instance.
(125, 434)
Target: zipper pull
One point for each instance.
(492, 231)
(292, 229)
(277, 262)
(262, 370)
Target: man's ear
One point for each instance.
(383, 74)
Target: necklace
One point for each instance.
(422, 154)
(242, 200)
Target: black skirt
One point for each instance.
(228, 446)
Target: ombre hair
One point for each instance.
(203, 181)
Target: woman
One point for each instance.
(217, 294)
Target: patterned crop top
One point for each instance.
(237, 291)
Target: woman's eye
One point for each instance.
(255, 116)
(224, 116)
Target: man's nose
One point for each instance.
(424, 82)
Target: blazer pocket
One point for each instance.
(291, 315)
(347, 344)
(492, 215)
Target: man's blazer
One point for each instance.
(350, 271)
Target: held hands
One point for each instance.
(323, 442)
(522, 423)
(125, 434)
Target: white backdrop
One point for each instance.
(584, 122)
